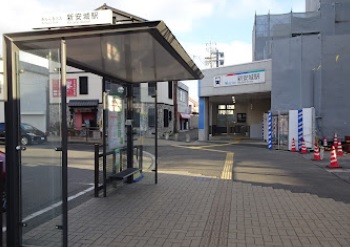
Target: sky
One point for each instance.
(199, 25)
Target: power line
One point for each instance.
(215, 56)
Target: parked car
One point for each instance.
(29, 134)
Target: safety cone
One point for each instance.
(316, 153)
(339, 149)
(325, 143)
(293, 146)
(303, 147)
(335, 140)
(334, 162)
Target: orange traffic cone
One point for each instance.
(334, 162)
(293, 146)
(325, 143)
(335, 140)
(316, 153)
(339, 149)
(303, 147)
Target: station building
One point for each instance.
(233, 99)
(300, 65)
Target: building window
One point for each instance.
(226, 107)
(136, 118)
(183, 96)
(151, 88)
(151, 117)
(241, 117)
(136, 93)
(170, 89)
(166, 118)
(83, 85)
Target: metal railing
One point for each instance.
(116, 161)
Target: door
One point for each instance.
(280, 131)
(40, 147)
(225, 119)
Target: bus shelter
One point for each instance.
(126, 54)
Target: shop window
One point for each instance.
(83, 85)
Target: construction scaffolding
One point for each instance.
(310, 59)
(273, 27)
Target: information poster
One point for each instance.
(116, 120)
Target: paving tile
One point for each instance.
(183, 211)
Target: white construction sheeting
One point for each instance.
(308, 127)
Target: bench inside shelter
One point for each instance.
(116, 166)
(124, 174)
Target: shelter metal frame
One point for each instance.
(123, 53)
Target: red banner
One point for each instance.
(71, 88)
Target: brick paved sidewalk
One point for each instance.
(187, 211)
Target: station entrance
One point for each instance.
(237, 115)
(233, 100)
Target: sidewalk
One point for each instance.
(193, 210)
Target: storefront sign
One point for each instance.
(76, 19)
(71, 88)
(243, 78)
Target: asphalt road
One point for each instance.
(41, 180)
(252, 164)
(262, 167)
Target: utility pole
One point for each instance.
(215, 56)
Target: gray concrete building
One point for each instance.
(309, 55)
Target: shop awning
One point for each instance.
(83, 103)
(129, 52)
(185, 115)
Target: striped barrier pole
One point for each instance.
(270, 131)
(300, 128)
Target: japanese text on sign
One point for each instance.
(71, 88)
(243, 78)
(76, 19)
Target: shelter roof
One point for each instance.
(120, 15)
(126, 53)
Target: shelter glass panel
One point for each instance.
(40, 136)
